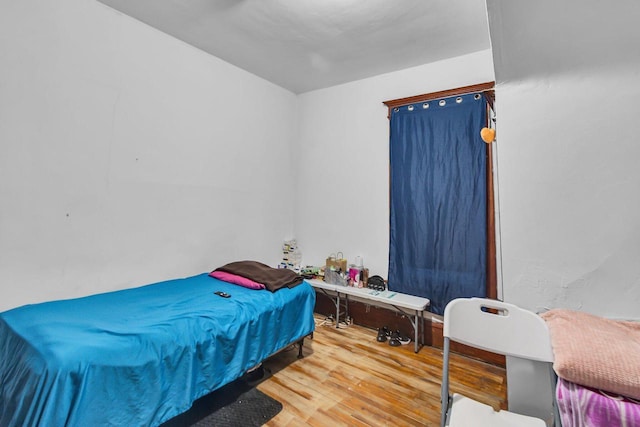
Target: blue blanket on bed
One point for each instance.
(139, 356)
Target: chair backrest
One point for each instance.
(498, 327)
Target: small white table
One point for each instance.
(400, 302)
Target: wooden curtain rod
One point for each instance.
(487, 88)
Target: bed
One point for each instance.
(139, 357)
(597, 361)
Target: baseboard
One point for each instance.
(375, 317)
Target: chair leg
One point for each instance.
(556, 411)
(444, 392)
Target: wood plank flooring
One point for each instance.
(347, 378)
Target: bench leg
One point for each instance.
(346, 309)
(416, 327)
(336, 301)
(423, 332)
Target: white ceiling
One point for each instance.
(304, 45)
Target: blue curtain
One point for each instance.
(438, 230)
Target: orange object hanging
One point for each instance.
(488, 135)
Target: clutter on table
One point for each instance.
(338, 273)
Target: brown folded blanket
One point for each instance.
(272, 278)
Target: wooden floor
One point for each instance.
(348, 378)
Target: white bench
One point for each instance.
(400, 302)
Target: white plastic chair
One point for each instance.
(500, 328)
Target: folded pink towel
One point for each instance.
(596, 352)
(236, 280)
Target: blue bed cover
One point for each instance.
(139, 356)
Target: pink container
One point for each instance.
(354, 273)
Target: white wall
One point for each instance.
(568, 153)
(343, 158)
(127, 156)
(567, 138)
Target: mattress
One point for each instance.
(140, 356)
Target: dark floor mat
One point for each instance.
(251, 408)
(235, 405)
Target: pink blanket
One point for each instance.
(596, 352)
